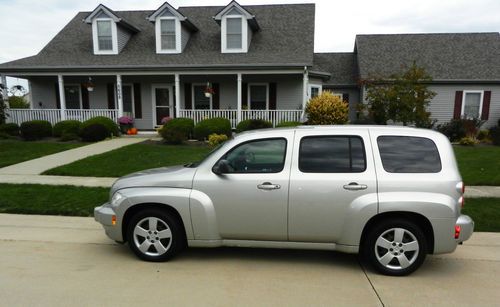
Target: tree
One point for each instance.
(401, 98)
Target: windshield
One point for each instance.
(195, 164)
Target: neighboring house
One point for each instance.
(257, 61)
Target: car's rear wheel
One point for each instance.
(395, 247)
(155, 235)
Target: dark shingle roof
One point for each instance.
(286, 38)
(342, 67)
(446, 56)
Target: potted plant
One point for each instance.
(126, 122)
(209, 91)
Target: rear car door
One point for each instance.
(332, 176)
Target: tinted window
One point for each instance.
(260, 156)
(406, 154)
(332, 154)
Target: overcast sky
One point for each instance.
(27, 26)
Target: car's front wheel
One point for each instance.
(154, 235)
(396, 247)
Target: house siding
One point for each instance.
(123, 37)
(185, 34)
(43, 92)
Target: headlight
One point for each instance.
(115, 200)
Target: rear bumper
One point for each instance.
(104, 215)
(466, 228)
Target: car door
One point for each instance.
(251, 198)
(332, 177)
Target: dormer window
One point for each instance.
(237, 28)
(104, 35)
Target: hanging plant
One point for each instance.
(209, 91)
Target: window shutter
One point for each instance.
(137, 101)
(187, 96)
(216, 96)
(457, 112)
(58, 98)
(272, 96)
(244, 94)
(111, 95)
(345, 97)
(485, 112)
(85, 97)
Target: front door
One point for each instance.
(332, 177)
(251, 200)
(163, 103)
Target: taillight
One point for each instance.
(463, 188)
(457, 231)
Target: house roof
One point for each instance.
(446, 56)
(109, 12)
(340, 65)
(286, 39)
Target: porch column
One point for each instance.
(119, 95)
(177, 95)
(305, 85)
(5, 92)
(62, 97)
(239, 98)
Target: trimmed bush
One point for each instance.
(66, 126)
(327, 109)
(94, 133)
(216, 125)
(288, 124)
(110, 125)
(216, 139)
(495, 135)
(35, 130)
(177, 130)
(454, 130)
(468, 141)
(69, 136)
(253, 124)
(11, 129)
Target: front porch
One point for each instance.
(148, 98)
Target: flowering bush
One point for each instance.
(215, 139)
(165, 120)
(327, 109)
(125, 120)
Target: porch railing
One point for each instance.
(199, 115)
(19, 116)
(274, 116)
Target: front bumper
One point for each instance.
(466, 228)
(104, 215)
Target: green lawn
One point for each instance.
(131, 159)
(13, 151)
(479, 165)
(485, 212)
(50, 200)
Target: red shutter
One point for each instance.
(485, 112)
(187, 96)
(85, 97)
(137, 101)
(111, 95)
(216, 96)
(457, 111)
(272, 96)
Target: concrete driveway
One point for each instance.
(61, 261)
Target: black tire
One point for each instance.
(152, 239)
(391, 260)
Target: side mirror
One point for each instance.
(222, 167)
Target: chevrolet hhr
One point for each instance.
(392, 194)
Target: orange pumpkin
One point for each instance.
(133, 130)
(129, 132)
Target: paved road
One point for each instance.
(61, 261)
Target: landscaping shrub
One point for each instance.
(483, 135)
(327, 109)
(288, 124)
(216, 139)
(94, 132)
(6, 136)
(495, 135)
(110, 125)
(456, 129)
(69, 136)
(363, 121)
(11, 129)
(35, 130)
(216, 125)
(66, 126)
(468, 141)
(177, 130)
(252, 124)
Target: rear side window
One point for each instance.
(408, 154)
(332, 154)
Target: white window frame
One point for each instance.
(480, 101)
(193, 105)
(171, 106)
(340, 95)
(178, 42)
(318, 86)
(79, 86)
(249, 94)
(244, 35)
(114, 37)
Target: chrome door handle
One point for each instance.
(268, 186)
(353, 186)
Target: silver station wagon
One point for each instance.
(393, 194)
